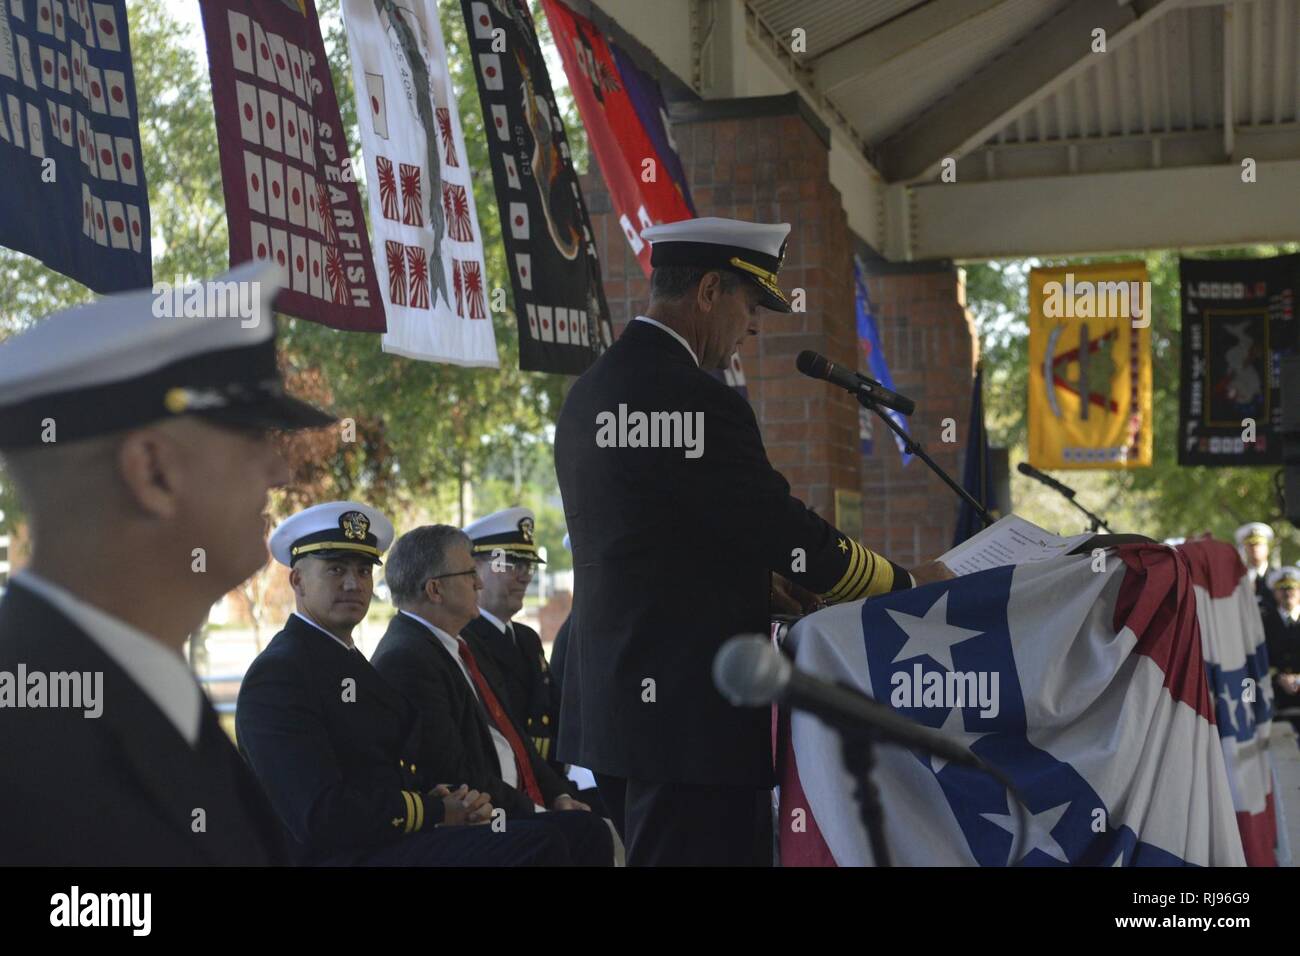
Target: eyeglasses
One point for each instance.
(454, 574)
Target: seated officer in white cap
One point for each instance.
(675, 538)
(1254, 540)
(511, 651)
(140, 450)
(1282, 634)
(334, 744)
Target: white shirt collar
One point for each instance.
(673, 332)
(493, 619)
(334, 637)
(155, 668)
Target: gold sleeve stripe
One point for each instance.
(419, 810)
(410, 811)
(869, 576)
(851, 574)
(882, 580)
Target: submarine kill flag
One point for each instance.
(425, 225)
(291, 193)
(555, 275)
(68, 110)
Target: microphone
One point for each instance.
(1025, 468)
(819, 366)
(749, 672)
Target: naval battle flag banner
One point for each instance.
(1238, 321)
(74, 194)
(291, 192)
(426, 232)
(1090, 366)
(555, 275)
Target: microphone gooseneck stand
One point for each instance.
(913, 447)
(858, 754)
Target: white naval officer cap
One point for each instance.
(331, 530)
(126, 360)
(1284, 577)
(1253, 533)
(510, 529)
(755, 250)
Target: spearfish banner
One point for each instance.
(1238, 322)
(291, 193)
(1090, 366)
(641, 185)
(1082, 679)
(873, 358)
(426, 232)
(74, 194)
(558, 297)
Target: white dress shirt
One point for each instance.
(331, 636)
(155, 668)
(505, 755)
(673, 332)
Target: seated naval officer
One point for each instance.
(676, 534)
(468, 733)
(333, 743)
(1282, 634)
(140, 449)
(509, 650)
(1254, 541)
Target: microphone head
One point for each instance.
(812, 364)
(749, 672)
(1025, 468)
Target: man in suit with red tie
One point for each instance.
(467, 731)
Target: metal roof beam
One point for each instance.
(871, 50)
(1034, 68)
(1192, 207)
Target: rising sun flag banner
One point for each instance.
(1090, 366)
(425, 224)
(291, 192)
(1085, 680)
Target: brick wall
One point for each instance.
(928, 340)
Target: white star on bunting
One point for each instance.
(931, 635)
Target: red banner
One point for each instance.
(641, 184)
(291, 194)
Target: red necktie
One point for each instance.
(528, 782)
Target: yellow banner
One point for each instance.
(1090, 366)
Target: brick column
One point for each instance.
(929, 341)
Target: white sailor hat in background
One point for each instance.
(510, 529)
(330, 530)
(1284, 577)
(1253, 533)
(126, 360)
(755, 250)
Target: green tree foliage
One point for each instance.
(1164, 500)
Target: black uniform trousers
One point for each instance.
(562, 838)
(686, 824)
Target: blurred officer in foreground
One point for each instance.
(139, 446)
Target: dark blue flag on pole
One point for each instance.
(74, 194)
(977, 475)
(873, 357)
